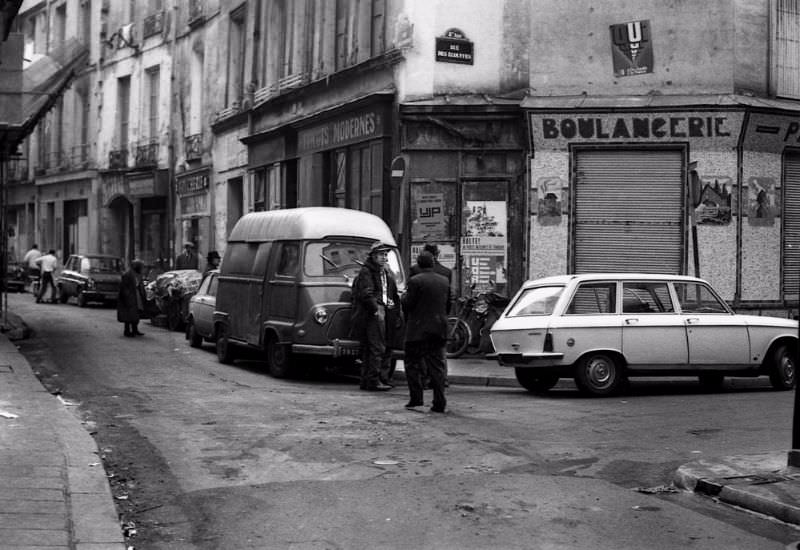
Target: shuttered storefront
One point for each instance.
(791, 227)
(629, 211)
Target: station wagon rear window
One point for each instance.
(539, 300)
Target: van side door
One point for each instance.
(282, 287)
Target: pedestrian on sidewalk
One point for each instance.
(131, 298)
(47, 264)
(30, 260)
(425, 306)
(187, 259)
(375, 308)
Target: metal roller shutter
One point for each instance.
(791, 227)
(629, 211)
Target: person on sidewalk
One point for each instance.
(47, 264)
(425, 306)
(375, 303)
(30, 261)
(433, 248)
(131, 298)
(187, 259)
(212, 262)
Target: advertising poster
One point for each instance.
(483, 245)
(632, 48)
(429, 219)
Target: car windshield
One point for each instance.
(539, 300)
(102, 265)
(345, 258)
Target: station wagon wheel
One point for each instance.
(535, 382)
(599, 374)
(195, 340)
(225, 352)
(278, 358)
(782, 370)
(81, 299)
(62, 296)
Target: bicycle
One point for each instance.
(470, 328)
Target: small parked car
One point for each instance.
(200, 319)
(90, 278)
(16, 277)
(601, 328)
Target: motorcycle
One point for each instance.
(469, 330)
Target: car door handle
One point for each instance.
(692, 321)
(631, 321)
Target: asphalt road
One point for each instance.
(203, 455)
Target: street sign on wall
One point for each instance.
(453, 47)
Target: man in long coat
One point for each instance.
(376, 305)
(131, 298)
(425, 307)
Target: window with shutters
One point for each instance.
(786, 49)
(236, 54)
(360, 31)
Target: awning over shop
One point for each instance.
(655, 101)
(43, 82)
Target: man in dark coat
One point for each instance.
(425, 306)
(131, 298)
(187, 259)
(375, 304)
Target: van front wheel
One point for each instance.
(278, 358)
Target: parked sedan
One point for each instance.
(602, 328)
(90, 278)
(200, 319)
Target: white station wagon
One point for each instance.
(601, 328)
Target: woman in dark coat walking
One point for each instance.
(131, 298)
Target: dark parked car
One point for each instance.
(90, 278)
(15, 280)
(200, 321)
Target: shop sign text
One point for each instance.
(672, 127)
(340, 132)
(196, 183)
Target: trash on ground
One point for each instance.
(6, 414)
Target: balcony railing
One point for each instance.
(153, 24)
(118, 159)
(193, 146)
(147, 153)
(196, 12)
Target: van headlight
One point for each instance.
(321, 315)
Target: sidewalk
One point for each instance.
(54, 492)
(53, 489)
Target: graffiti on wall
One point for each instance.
(550, 195)
(763, 202)
(715, 201)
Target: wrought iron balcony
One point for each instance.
(153, 24)
(118, 158)
(193, 146)
(146, 153)
(196, 12)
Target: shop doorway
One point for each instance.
(628, 211)
(470, 225)
(120, 238)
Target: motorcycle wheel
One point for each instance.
(459, 336)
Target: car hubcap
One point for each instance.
(787, 369)
(599, 372)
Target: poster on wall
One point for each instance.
(632, 48)
(715, 201)
(429, 217)
(483, 245)
(549, 191)
(762, 202)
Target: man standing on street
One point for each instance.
(374, 300)
(131, 298)
(187, 259)
(47, 264)
(425, 306)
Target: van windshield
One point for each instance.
(344, 258)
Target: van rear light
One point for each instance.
(548, 342)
